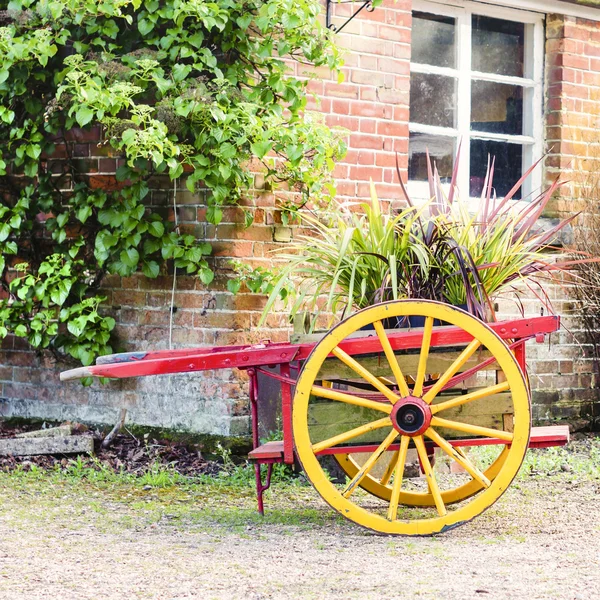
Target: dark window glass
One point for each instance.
(498, 46)
(433, 40)
(507, 168)
(496, 107)
(432, 99)
(441, 151)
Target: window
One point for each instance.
(476, 76)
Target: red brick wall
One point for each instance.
(372, 104)
(564, 373)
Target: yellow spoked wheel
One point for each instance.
(398, 417)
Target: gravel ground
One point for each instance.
(77, 541)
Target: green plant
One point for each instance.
(503, 239)
(352, 259)
(180, 89)
(437, 251)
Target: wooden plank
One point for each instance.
(72, 444)
(541, 437)
(438, 362)
(326, 418)
(60, 431)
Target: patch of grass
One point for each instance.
(581, 458)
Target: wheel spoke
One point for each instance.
(399, 474)
(391, 357)
(474, 370)
(474, 429)
(418, 389)
(459, 457)
(477, 395)
(332, 394)
(366, 375)
(455, 366)
(350, 434)
(389, 471)
(431, 480)
(370, 463)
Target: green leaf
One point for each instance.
(181, 71)
(260, 149)
(61, 293)
(145, 26)
(206, 276)
(130, 257)
(4, 231)
(234, 285)
(84, 213)
(151, 269)
(20, 330)
(156, 228)
(84, 115)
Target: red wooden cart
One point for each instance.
(367, 398)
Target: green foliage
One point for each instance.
(351, 259)
(437, 251)
(180, 89)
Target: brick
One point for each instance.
(367, 77)
(341, 90)
(346, 122)
(340, 107)
(390, 65)
(367, 109)
(393, 96)
(358, 140)
(367, 126)
(392, 129)
(572, 31)
(237, 232)
(379, 45)
(360, 173)
(129, 298)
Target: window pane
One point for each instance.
(507, 168)
(441, 151)
(498, 46)
(432, 99)
(433, 40)
(496, 107)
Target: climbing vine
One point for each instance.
(184, 89)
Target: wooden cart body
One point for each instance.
(348, 376)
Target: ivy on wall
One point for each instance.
(180, 88)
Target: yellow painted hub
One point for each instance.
(388, 517)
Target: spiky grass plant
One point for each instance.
(437, 251)
(356, 259)
(350, 260)
(503, 238)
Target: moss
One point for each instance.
(586, 2)
(207, 443)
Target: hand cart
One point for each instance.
(367, 397)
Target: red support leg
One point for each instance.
(260, 487)
(253, 394)
(286, 416)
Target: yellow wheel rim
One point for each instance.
(386, 517)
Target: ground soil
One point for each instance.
(62, 538)
(540, 541)
(127, 453)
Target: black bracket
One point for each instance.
(368, 4)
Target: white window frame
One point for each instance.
(462, 11)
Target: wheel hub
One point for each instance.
(411, 416)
